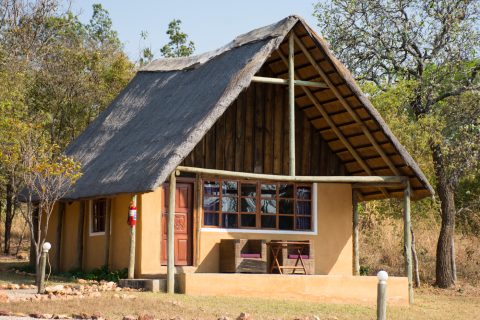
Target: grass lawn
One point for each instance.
(459, 303)
(428, 305)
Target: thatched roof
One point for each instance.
(170, 104)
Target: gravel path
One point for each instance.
(20, 293)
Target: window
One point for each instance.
(99, 213)
(257, 205)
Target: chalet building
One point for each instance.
(261, 149)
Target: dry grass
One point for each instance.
(381, 247)
(429, 305)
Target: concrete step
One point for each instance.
(152, 285)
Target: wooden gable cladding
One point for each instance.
(252, 136)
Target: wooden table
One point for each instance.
(276, 248)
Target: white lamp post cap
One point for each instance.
(382, 275)
(46, 246)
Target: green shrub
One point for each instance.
(96, 274)
(364, 270)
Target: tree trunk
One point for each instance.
(9, 215)
(33, 238)
(444, 273)
(454, 263)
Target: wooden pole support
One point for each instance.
(320, 179)
(170, 234)
(133, 236)
(356, 252)
(286, 82)
(408, 240)
(291, 102)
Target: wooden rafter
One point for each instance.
(330, 122)
(347, 106)
(285, 82)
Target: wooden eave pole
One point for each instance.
(107, 232)
(332, 125)
(170, 234)
(345, 104)
(355, 233)
(291, 102)
(390, 180)
(286, 82)
(408, 240)
(133, 236)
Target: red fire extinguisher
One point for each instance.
(132, 215)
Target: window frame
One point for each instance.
(92, 219)
(258, 209)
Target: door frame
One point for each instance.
(192, 182)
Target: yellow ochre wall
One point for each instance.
(333, 242)
(94, 244)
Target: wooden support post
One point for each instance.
(133, 236)
(356, 252)
(291, 102)
(80, 235)
(170, 234)
(198, 221)
(408, 240)
(58, 240)
(107, 233)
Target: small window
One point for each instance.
(99, 213)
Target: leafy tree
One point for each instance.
(146, 53)
(46, 176)
(434, 44)
(56, 74)
(178, 46)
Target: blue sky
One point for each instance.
(209, 23)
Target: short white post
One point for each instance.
(382, 295)
(43, 263)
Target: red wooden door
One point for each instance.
(183, 224)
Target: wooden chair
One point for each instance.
(289, 257)
(243, 256)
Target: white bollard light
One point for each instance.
(43, 263)
(46, 246)
(382, 295)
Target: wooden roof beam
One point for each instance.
(347, 106)
(333, 126)
(286, 82)
(318, 179)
